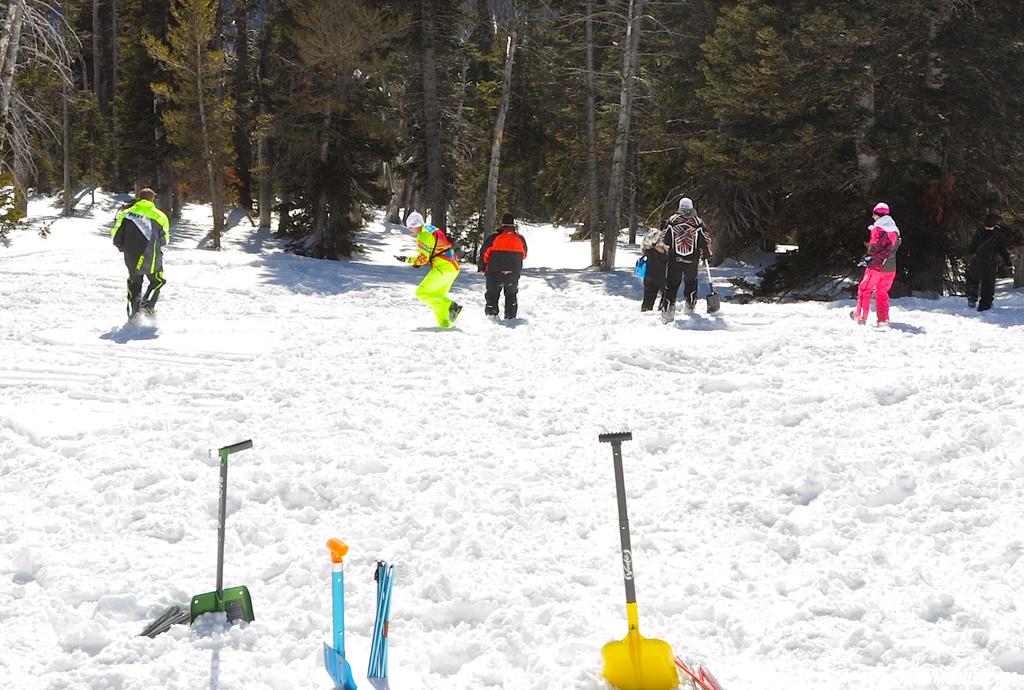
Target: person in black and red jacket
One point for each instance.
(501, 258)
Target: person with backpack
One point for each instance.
(987, 244)
(140, 233)
(501, 258)
(879, 266)
(688, 243)
(435, 251)
(656, 252)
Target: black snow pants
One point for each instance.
(654, 279)
(136, 300)
(981, 279)
(498, 282)
(684, 272)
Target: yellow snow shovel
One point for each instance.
(635, 662)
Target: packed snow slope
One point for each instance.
(813, 504)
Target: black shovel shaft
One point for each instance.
(234, 448)
(222, 516)
(220, 523)
(616, 440)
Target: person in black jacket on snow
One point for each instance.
(140, 233)
(688, 242)
(986, 245)
(502, 258)
(656, 251)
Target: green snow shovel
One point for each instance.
(233, 601)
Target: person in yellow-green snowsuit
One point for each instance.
(434, 250)
(140, 233)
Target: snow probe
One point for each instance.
(377, 673)
(700, 679)
(635, 662)
(235, 602)
(334, 657)
(714, 303)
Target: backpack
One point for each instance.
(444, 248)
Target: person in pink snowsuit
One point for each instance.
(879, 266)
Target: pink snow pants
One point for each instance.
(879, 283)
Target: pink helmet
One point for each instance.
(881, 208)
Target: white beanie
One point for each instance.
(685, 204)
(415, 220)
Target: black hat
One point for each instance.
(508, 219)
(991, 220)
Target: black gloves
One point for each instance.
(403, 259)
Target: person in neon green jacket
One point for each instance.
(140, 233)
(433, 248)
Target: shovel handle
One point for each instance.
(338, 549)
(616, 440)
(234, 448)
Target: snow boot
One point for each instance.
(668, 314)
(691, 303)
(453, 311)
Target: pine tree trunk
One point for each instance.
(96, 61)
(616, 180)
(491, 201)
(10, 41)
(215, 192)
(867, 157)
(320, 210)
(66, 141)
(436, 197)
(593, 201)
(263, 149)
(115, 140)
(634, 181)
(243, 116)
(392, 215)
(20, 186)
(928, 267)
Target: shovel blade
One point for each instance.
(639, 663)
(714, 303)
(338, 668)
(235, 602)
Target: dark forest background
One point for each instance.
(785, 121)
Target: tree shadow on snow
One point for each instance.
(1007, 311)
(620, 283)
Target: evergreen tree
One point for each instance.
(332, 126)
(143, 150)
(198, 121)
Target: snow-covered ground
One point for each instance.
(813, 504)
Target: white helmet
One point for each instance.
(415, 220)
